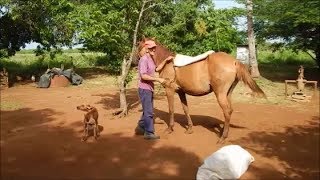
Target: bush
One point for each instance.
(26, 64)
(284, 56)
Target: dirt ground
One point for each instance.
(40, 137)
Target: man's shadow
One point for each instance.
(212, 124)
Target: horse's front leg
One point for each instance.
(184, 103)
(170, 97)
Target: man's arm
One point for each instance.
(143, 66)
(163, 63)
(147, 77)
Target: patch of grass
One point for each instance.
(284, 57)
(26, 64)
(99, 81)
(275, 92)
(10, 105)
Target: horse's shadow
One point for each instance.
(212, 124)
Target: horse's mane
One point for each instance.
(161, 53)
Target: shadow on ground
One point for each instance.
(112, 101)
(297, 148)
(46, 151)
(212, 124)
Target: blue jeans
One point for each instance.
(146, 121)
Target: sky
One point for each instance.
(222, 4)
(219, 4)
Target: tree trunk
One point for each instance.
(123, 111)
(125, 67)
(318, 57)
(254, 70)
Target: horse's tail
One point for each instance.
(244, 75)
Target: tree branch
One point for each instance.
(151, 6)
(310, 55)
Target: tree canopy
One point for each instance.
(193, 27)
(42, 21)
(186, 26)
(295, 22)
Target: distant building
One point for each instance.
(243, 54)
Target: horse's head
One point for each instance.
(142, 49)
(160, 52)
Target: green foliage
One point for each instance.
(14, 34)
(26, 64)
(107, 26)
(296, 22)
(186, 26)
(285, 57)
(44, 21)
(129, 77)
(192, 28)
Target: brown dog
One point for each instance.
(90, 119)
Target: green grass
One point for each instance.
(10, 105)
(275, 67)
(285, 57)
(25, 63)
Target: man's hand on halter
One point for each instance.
(164, 81)
(163, 63)
(170, 58)
(151, 78)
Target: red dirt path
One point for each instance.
(42, 138)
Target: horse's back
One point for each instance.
(219, 59)
(222, 69)
(194, 78)
(200, 78)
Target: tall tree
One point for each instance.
(293, 23)
(126, 64)
(112, 27)
(193, 27)
(42, 21)
(251, 41)
(14, 33)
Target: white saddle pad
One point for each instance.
(182, 60)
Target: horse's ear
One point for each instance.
(143, 38)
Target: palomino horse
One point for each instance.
(218, 73)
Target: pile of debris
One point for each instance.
(58, 77)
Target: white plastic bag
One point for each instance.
(229, 162)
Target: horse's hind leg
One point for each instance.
(234, 84)
(170, 96)
(184, 103)
(227, 111)
(226, 105)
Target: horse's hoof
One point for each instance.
(168, 131)
(188, 131)
(83, 139)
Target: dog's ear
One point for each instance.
(80, 106)
(89, 107)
